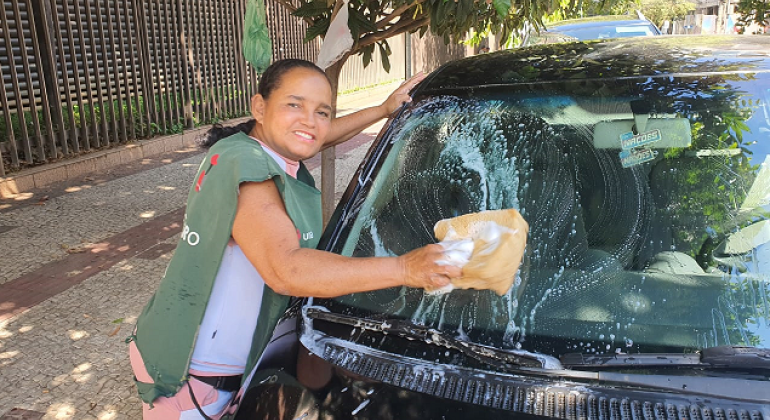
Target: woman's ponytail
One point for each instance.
(219, 131)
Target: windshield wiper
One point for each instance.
(501, 359)
(736, 357)
(731, 357)
(716, 387)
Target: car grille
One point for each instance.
(543, 399)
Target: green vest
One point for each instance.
(168, 327)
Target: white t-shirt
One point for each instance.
(224, 338)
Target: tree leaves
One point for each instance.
(385, 54)
(502, 7)
(312, 9)
(360, 24)
(319, 28)
(659, 11)
(753, 11)
(451, 20)
(366, 53)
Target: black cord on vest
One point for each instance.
(195, 401)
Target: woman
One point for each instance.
(252, 222)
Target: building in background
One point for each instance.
(714, 17)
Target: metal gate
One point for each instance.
(82, 75)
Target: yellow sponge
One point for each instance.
(499, 238)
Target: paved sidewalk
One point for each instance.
(79, 261)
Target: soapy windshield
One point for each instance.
(647, 203)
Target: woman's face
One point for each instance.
(295, 119)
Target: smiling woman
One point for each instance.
(299, 115)
(252, 220)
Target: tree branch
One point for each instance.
(381, 24)
(394, 30)
(292, 8)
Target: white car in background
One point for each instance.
(586, 29)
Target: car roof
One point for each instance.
(617, 58)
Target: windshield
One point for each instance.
(647, 201)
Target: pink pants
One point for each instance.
(180, 407)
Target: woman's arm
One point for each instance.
(344, 128)
(269, 240)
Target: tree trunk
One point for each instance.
(328, 155)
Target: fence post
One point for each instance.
(10, 137)
(74, 139)
(142, 46)
(183, 45)
(41, 13)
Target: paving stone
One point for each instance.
(61, 226)
(21, 414)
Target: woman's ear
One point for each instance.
(258, 108)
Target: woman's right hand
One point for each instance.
(421, 269)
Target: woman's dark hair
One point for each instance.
(271, 78)
(268, 82)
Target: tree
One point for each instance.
(568, 10)
(754, 11)
(659, 11)
(373, 22)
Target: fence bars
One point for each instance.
(10, 139)
(181, 67)
(15, 80)
(42, 38)
(80, 137)
(68, 129)
(189, 62)
(79, 75)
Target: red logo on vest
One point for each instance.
(214, 160)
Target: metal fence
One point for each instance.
(84, 75)
(80, 75)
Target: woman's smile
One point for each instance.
(305, 136)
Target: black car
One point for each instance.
(596, 27)
(643, 168)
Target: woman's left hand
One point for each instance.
(401, 96)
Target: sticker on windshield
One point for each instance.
(629, 141)
(629, 158)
